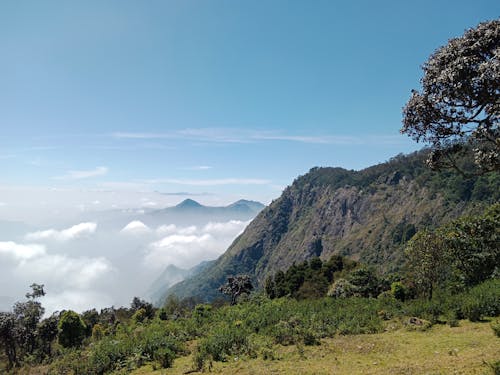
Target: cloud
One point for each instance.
(172, 228)
(78, 175)
(199, 168)
(76, 231)
(211, 182)
(230, 228)
(21, 252)
(135, 227)
(235, 135)
(187, 246)
(76, 300)
(181, 250)
(60, 273)
(66, 271)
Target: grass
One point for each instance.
(465, 349)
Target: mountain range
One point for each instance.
(191, 212)
(367, 215)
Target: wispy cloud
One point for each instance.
(198, 168)
(210, 182)
(78, 175)
(234, 135)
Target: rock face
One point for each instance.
(367, 215)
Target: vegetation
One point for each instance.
(457, 110)
(369, 215)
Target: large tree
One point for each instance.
(458, 108)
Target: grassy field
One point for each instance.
(441, 350)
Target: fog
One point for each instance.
(104, 257)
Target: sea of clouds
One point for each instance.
(87, 265)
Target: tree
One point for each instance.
(458, 109)
(8, 337)
(47, 332)
(72, 329)
(427, 261)
(236, 286)
(36, 291)
(140, 304)
(473, 245)
(28, 314)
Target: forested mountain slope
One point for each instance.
(367, 215)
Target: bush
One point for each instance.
(495, 326)
(224, 341)
(398, 290)
(164, 356)
(72, 329)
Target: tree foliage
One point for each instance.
(461, 254)
(236, 286)
(458, 109)
(72, 329)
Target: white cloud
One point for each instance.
(21, 252)
(172, 228)
(78, 175)
(187, 246)
(230, 228)
(135, 227)
(76, 300)
(61, 274)
(182, 250)
(64, 270)
(76, 231)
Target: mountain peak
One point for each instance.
(189, 203)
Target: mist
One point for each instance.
(104, 256)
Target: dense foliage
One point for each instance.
(457, 110)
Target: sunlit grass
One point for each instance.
(441, 350)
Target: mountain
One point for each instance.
(191, 212)
(367, 215)
(170, 276)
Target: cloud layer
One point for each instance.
(85, 266)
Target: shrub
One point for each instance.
(72, 329)
(223, 341)
(398, 290)
(495, 326)
(164, 356)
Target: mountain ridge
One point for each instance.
(367, 215)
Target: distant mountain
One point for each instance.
(170, 276)
(191, 211)
(367, 215)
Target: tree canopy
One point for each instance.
(457, 111)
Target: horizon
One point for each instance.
(125, 107)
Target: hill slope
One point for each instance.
(367, 215)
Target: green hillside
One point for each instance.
(367, 215)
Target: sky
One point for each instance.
(108, 105)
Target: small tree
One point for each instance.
(72, 329)
(236, 286)
(8, 337)
(427, 261)
(458, 109)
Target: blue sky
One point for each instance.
(228, 98)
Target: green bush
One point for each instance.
(495, 326)
(164, 356)
(72, 329)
